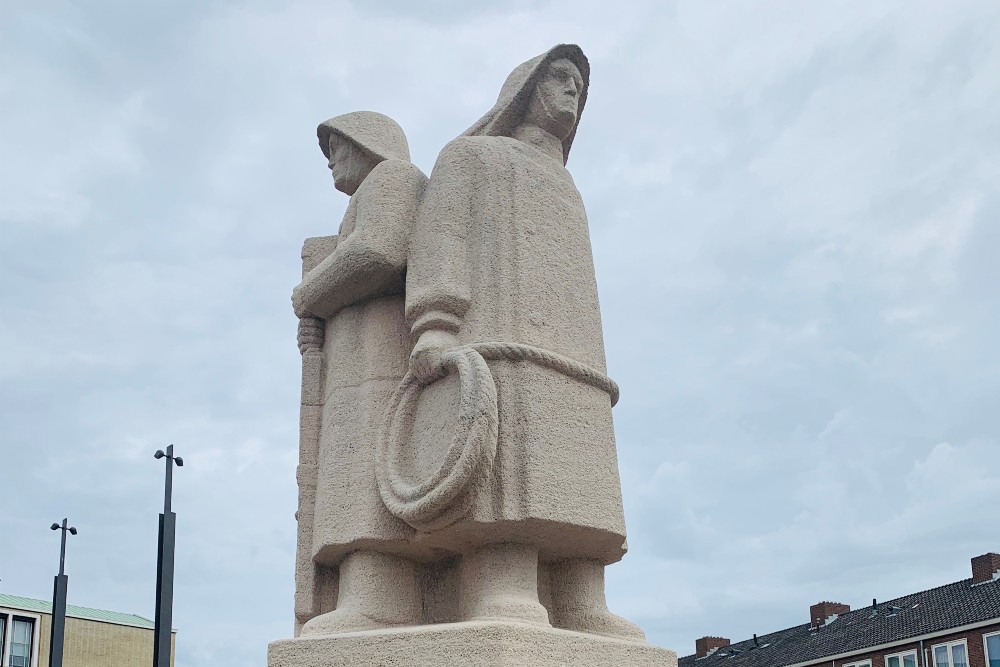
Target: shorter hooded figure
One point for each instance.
(501, 254)
(349, 573)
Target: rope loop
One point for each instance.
(447, 494)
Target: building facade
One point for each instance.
(94, 637)
(955, 625)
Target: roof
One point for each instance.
(45, 607)
(935, 610)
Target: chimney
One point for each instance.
(821, 612)
(708, 645)
(985, 568)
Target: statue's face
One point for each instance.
(556, 101)
(349, 163)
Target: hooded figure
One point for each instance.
(501, 253)
(348, 541)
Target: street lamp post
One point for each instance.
(59, 599)
(165, 566)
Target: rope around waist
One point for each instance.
(496, 351)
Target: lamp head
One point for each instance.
(55, 526)
(159, 454)
(72, 531)
(179, 461)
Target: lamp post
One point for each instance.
(165, 566)
(59, 599)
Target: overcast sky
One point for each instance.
(795, 216)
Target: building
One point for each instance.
(94, 638)
(956, 625)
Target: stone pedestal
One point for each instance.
(468, 644)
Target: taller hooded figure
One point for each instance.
(500, 253)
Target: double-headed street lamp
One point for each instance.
(165, 566)
(59, 599)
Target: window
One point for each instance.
(905, 659)
(953, 654)
(992, 642)
(21, 631)
(863, 663)
(17, 639)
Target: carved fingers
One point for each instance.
(310, 336)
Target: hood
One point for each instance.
(377, 133)
(507, 113)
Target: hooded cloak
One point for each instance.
(501, 252)
(357, 290)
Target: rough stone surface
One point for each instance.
(468, 644)
(352, 287)
(459, 495)
(501, 252)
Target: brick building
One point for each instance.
(956, 625)
(94, 638)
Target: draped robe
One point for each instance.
(365, 355)
(501, 250)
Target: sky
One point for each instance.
(794, 212)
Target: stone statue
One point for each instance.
(465, 495)
(346, 535)
(501, 253)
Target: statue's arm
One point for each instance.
(437, 278)
(438, 291)
(371, 260)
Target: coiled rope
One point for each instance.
(446, 495)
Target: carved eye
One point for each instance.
(567, 77)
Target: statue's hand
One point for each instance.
(310, 336)
(298, 303)
(425, 360)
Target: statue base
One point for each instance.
(466, 644)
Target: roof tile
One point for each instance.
(934, 610)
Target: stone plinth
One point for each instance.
(468, 644)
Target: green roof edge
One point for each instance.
(75, 611)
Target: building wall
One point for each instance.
(94, 644)
(973, 640)
(44, 633)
